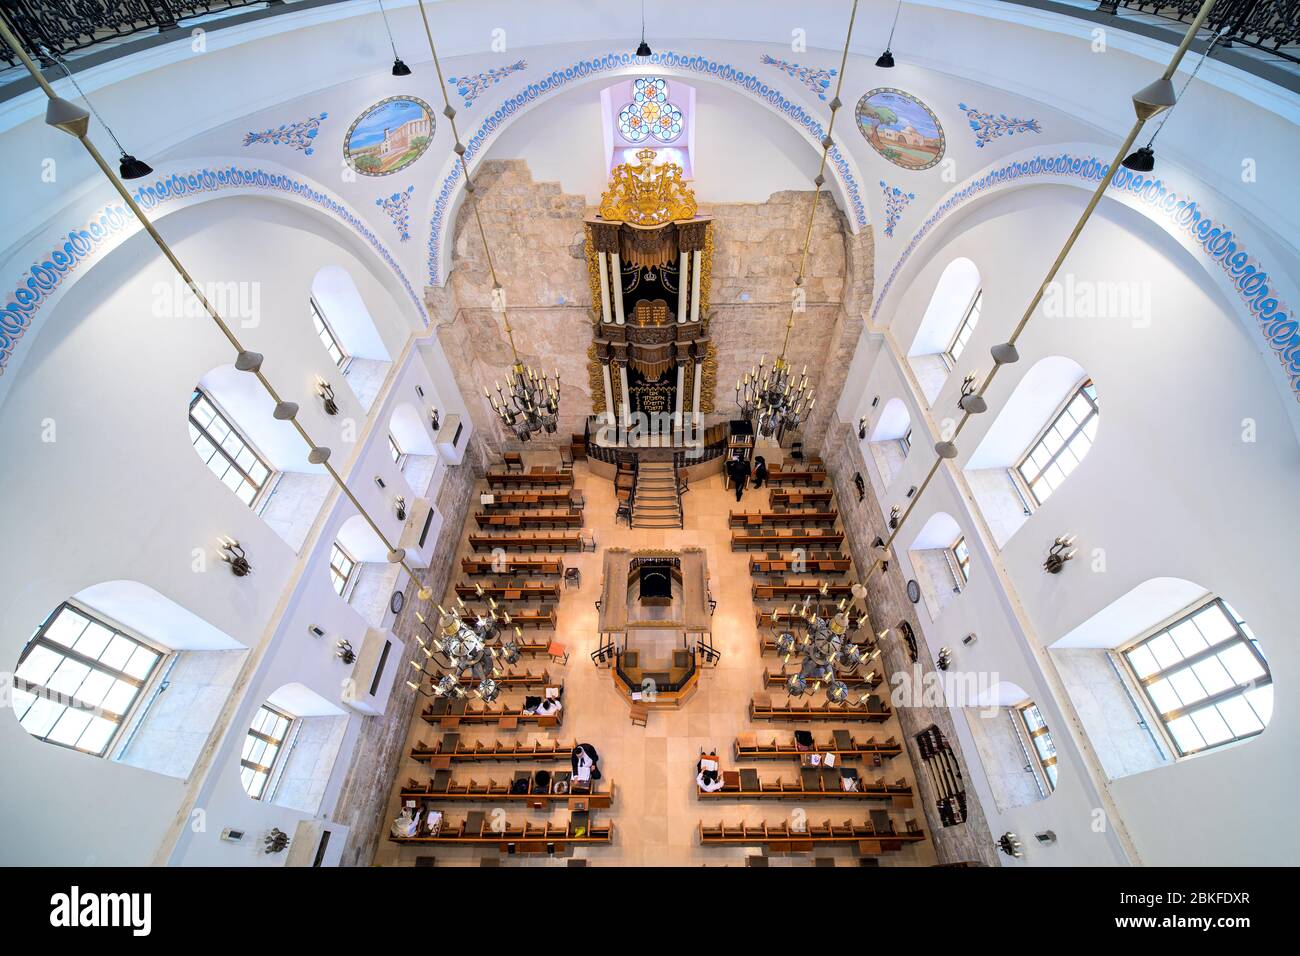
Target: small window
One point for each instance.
(964, 331)
(1206, 678)
(262, 747)
(394, 449)
(341, 567)
(906, 442)
(961, 559)
(326, 335)
(78, 679)
(1062, 445)
(1041, 740)
(225, 451)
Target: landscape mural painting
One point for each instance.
(389, 136)
(900, 128)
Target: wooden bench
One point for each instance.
(799, 499)
(442, 789)
(509, 521)
(452, 749)
(446, 712)
(785, 541)
(798, 590)
(527, 591)
(871, 682)
(477, 829)
(779, 477)
(812, 784)
(873, 710)
(779, 519)
(536, 541)
(871, 837)
(532, 479)
(841, 743)
(539, 567)
(512, 500)
(829, 566)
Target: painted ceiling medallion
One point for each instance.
(389, 136)
(647, 194)
(900, 128)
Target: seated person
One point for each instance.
(550, 705)
(707, 777)
(585, 762)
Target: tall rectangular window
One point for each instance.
(961, 558)
(261, 748)
(1062, 446)
(341, 566)
(326, 335)
(1041, 740)
(906, 443)
(965, 330)
(394, 449)
(77, 680)
(225, 451)
(1205, 676)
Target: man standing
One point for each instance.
(738, 472)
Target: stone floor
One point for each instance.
(656, 812)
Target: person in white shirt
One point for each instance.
(707, 777)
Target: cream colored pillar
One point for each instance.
(602, 262)
(696, 260)
(617, 289)
(683, 289)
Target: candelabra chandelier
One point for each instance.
(771, 400)
(529, 403)
(472, 648)
(826, 647)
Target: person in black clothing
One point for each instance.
(738, 472)
(760, 471)
(586, 753)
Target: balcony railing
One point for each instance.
(1269, 25)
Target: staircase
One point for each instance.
(655, 501)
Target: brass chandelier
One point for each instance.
(471, 648)
(826, 647)
(769, 398)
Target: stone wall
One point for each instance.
(378, 750)
(888, 604)
(537, 238)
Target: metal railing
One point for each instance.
(1269, 25)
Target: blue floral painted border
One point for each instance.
(703, 66)
(84, 242)
(1215, 241)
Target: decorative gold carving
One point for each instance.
(709, 380)
(647, 194)
(650, 312)
(706, 275)
(648, 248)
(595, 380)
(593, 271)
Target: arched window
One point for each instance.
(1014, 744)
(360, 571)
(650, 114)
(292, 742)
(891, 440)
(1040, 750)
(941, 561)
(341, 568)
(348, 333)
(327, 336)
(947, 327)
(262, 747)
(1037, 440)
(227, 453)
(411, 443)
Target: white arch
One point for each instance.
(893, 423)
(410, 429)
(250, 408)
(952, 296)
(940, 531)
(336, 293)
(358, 539)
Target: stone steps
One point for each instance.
(656, 503)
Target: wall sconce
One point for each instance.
(399, 506)
(860, 484)
(862, 428)
(233, 555)
(277, 841)
(345, 653)
(435, 421)
(326, 392)
(1009, 844)
(969, 401)
(1060, 553)
(894, 514)
(944, 660)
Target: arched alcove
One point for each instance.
(1036, 441)
(1014, 745)
(290, 748)
(891, 440)
(940, 560)
(412, 447)
(1165, 671)
(348, 333)
(262, 460)
(122, 672)
(947, 326)
(360, 570)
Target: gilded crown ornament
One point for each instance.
(647, 194)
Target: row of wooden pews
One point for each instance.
(841, 743)
(872, 837)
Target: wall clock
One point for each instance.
(396, 602)
(913, 591)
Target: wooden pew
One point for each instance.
(513, 680)
(821, 566)
(780, 477)
(516, 520)
(530, 479)
(445, 712)
(779, 519)
(452, 749)
(531, 541)
(841, 743)
(534, 567)
(874, 710)
(776, 679)
(785, 540)
(532, 500)
(476, 830)
(872, 837)
(442, 789)
(799, 499)
(767, 643)
(788, 591)
(812, 784)
(527, 591)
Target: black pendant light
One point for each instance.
(1143, 159)
(128, 167)
(643, 49)
(886, 59)
(399, 68)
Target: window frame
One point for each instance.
(1162, 719)
(326, 331)
(395, 450)
(975, 306)
(1047, 772)
(962, 576)
(1017, 471)
(906, 442)
(281, 745)
(263, 489)
(341, 589)
(121, 719)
